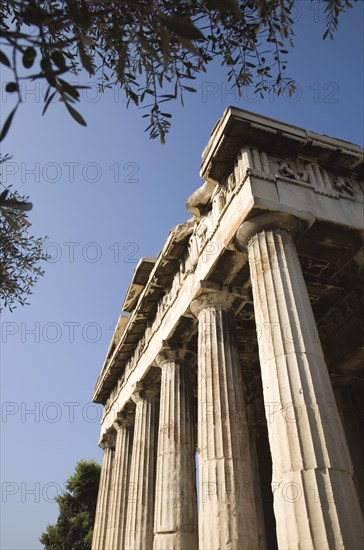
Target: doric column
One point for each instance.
(140, 516)
(315, 502)
(230, 515)
(175, 524)
(124, 425)
(103, 497)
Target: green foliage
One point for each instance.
(77, 507)
(20, 252)
(152, 49)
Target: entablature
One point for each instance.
(238, 128)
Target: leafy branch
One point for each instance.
(21, 254)
(150, 48)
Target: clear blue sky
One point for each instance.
(105, 195)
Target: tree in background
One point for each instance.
(20, 252)
(152, 49)
(77, 507)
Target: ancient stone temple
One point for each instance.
(233, 389)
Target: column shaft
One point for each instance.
(103, 497)
(120, 485)
(315, 502)
(230, 516)
(140, 515)
(175, 523)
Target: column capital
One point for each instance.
(124, 419)
(280, 221)
(215, 300)
(176, 355)
(143, 392)
(107, 441)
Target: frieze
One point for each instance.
(297, 171)
(344, 185)
(294, 171)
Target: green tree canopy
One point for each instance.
(77, 507)
(153, 49)
(21, 254)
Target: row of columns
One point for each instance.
(147, 496)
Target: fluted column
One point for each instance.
(315, 502)
(115, 538)
(175, 524)
(140, 516)
(230, 516)
(103, 497)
